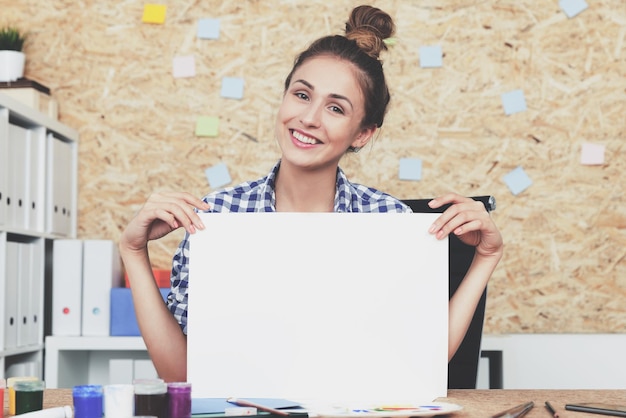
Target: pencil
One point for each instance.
(243, 402)
(551, 409)
(515, 412)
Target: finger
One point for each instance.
(181, 205)
(456, 215)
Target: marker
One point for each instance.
(551, 409)
(243, 402)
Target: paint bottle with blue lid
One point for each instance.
(88, 400)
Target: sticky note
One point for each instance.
(218, 175)
(513, 102)
(208, 28)
(154, 13)
(573, 7)
(184, 66)
(232, 88)
(431, 56)
(517, 181)
(207, 126)
(410, 169)
(592, 154)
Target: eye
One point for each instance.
(301, 95)
(336, 109)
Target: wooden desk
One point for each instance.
(476, 403)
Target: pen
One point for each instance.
(551, 409)
(243, 402)
(515, 412)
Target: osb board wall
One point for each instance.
(565, 265)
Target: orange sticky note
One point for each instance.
(154, 13)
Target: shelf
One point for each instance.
(95, 343)
(21, 350)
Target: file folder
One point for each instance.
(18, 193)
(102, 271)
(4, 162)
(10, 295)
(36, 179)
(67, 278)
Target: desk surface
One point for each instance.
(476, 403)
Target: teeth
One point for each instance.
(303, 138)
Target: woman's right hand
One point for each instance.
(161, 214)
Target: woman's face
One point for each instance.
(321, 113)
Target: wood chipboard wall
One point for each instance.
(565, 263)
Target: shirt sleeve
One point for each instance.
(177, 299)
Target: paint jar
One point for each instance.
(87, 401)
(11, 391)
(179, 399)
(151, 398)
(28, 396)
(119, 401)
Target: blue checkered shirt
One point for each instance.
(259, 196)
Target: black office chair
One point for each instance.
(463, 368)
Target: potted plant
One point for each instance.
(12, 58)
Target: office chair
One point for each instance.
(463, 368)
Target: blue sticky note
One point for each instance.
(517, 181)
(208, 28)
(232, 88)
(431, 56)
(218, 175)
(573, 7)
(410, 169)
(513, 102)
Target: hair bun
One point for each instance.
(369, 26)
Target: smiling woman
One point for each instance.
(335, 98)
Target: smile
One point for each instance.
(304, 139)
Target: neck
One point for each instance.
(299, 190)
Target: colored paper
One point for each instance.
(218, 176)
(184, 66)
(513, 102)
(207, 126)
(573, 7)
(431, 56)
(208, 28)
(517, 181)
(410, 169)
(154, 13)
(232, 87)
(592, 154)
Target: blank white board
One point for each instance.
(327, 307)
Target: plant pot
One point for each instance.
(11, 65)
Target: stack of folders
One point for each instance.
(21, 315)
(89, 296)
(37, 181)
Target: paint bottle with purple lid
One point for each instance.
(179, 399)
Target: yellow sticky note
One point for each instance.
(154, 13)
(207, 126)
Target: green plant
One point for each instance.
(11, 39)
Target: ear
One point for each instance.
(364, 137)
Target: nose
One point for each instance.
(311, 115)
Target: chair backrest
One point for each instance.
(463, 368)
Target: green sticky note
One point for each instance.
(207, 126)
(154, 13)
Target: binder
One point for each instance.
(23, 294)
(4, 162)
(10, 295)
(3, 293)
(102, 271)
(55, 186)
(67, 279)
(18, 150)
(36, 166)
(35, 313)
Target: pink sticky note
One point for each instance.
(184, 66)
(592, 154)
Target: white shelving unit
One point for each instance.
(74, 361)
(38, 203)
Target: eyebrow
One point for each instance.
(333, 95)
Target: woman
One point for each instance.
(335, 99)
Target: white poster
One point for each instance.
(327, 307)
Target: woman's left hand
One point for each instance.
(469, 220)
